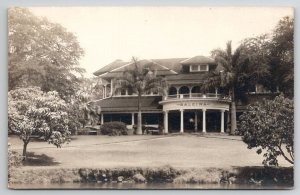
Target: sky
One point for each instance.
(110, 33)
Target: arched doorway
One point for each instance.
(172, 91)
(184, 90)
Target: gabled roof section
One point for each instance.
(171, 63)
(116, 68)
(109, 67)
(198, 60)
(161, 70)
(170, 66)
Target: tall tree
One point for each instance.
(282, 55)
(230, 76)
(258, 53)
(41, 53)
(141, 80)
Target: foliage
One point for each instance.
(257, 51)
(140, 80)
(82, 111)
(34, 112)
(231, 75)
(83, 131)
(14, 158)
(114, 128)
(271, 57)
(269, 126)
(282, 55)
(41, 53)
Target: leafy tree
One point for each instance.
(41, 53)
(32, 112)
(273, 55)
(140, 80)
(282, 55)
(258, 69)
(81, 108)
(269, 126)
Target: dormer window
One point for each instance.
(199, 68)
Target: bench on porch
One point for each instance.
(151, 129)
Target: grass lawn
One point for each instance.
(181, 151)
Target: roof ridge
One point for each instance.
(164, 67)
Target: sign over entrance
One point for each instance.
(193, 104)
(179, 104)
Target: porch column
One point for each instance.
(126, 92)
(196, 121)
(105, 90)
(132, 119)
(204, 121)
(228, 122)
(101, 119)
(111, 87)
(222, 121)
(166, 121)
(181, 121)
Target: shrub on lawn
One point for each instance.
(14, 158)
(114, 128)
(83, 131)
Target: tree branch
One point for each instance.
(285, 157)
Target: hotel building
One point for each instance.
(184, 108)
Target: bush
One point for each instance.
(83, 131)
(14, 160)
(114, 128)
(269, 126)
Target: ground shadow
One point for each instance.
(39, 160)
(265, 175)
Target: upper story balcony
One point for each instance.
(198, 96)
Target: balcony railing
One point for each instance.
(203, 96)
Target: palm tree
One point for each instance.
(229, 74)
(140, 80)
(236, 71)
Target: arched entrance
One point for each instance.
(172, 91)
(184, 90)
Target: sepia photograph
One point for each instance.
(153, 97)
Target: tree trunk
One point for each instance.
(25, 150)
(139, 130)
(233, 125)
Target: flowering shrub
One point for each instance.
(34, 112)
(114, 128)
(269, 127)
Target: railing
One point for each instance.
(198, 96)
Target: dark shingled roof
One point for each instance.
(161, 70)
(171, 63)
(165, 66)
(111, 66)
(198, 60)
(129, 104)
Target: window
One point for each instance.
(194, 68)
(198, 68)
(203, 68)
